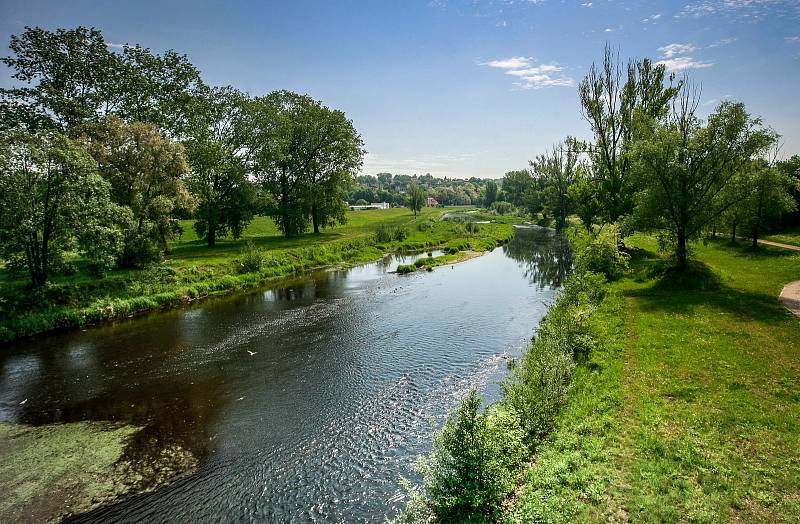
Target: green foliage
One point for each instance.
(416, 197)
(405, 269)
(385, 234)
(253, 258)
(71, 76)
(145, 170)
(538, 384)
(503, 208)
(54, 202)
(473, 465)
(599, 253)
(491, 194)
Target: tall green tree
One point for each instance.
(613, 99)
(490, 193)
(218, 154)
(515, 184)
(54, 202)
(684, 167)
(337, 153)
(557, 172)
(584, 194)
(69, 76)
(416, 197)
(146, 171)
(284, 145)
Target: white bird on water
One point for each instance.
(252, 352)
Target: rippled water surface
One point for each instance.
(301, 404)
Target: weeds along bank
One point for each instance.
(472, 473)
(191, 274)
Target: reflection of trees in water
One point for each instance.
(544, 255)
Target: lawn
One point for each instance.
(789, 236)
(690, 410)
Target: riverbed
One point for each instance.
(304, 403)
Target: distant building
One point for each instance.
(431, 202)
(374, 205)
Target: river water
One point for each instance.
(306, 403)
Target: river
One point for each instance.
(305, 403)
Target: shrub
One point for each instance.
(406, 268)
(473, 465)
(503, 208)
(252, 260)
(420, 262)
(600, 253)
(385, 234)
(472, 228)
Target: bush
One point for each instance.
(405, 269)
(599, 254)
(385, 234)
(473, 465)
(503, 208)
(253, 259)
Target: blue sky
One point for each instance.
(457, 87)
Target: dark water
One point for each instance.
(302, 404)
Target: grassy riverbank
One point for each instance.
(262, 256)
(688, 408)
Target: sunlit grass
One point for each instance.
(691, 411)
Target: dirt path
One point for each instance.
(778, 244)
(790, 296)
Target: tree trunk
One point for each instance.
(285, 206)
(681, 252)
(212, 234)
(757, 224)
(733, 233)
(315, 218)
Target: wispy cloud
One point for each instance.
(530, 76)
(722, 42)
(450, 165)
(793, 39)
(671, 50)
(114, 46)
(674, 58)
(747, 10)
(651, 18)
(683, 63)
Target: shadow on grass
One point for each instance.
(673, 291)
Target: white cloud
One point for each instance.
(515, 62)
(793, 39)
(683, 63)
(750, 10)
(652, 18)
(673, 50)
(587, 4)
(532, 76)
(114, 46)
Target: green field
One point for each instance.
(192, 270)
(690, 410)
(789, 236)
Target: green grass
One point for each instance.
(192, 270)
(690, 411)
(789, 236)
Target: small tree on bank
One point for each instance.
(416, 197)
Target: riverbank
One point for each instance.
(193, 271)
(687, 408)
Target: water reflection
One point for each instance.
(544, 254)
(304, 403)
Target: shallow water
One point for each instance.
(305, 403)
